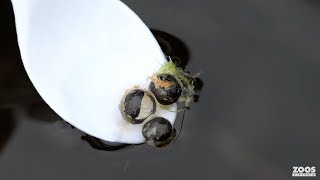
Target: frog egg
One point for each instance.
(158, 129)
(166, 88)
(83, 56)
(137, 105)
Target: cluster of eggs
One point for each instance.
(139, 105)
(167, 87)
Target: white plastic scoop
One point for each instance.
(82, 55)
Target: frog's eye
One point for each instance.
(137, 105)
(158, 132)
(166, 88)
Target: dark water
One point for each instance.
(258, 115)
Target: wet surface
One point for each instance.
(257, 117)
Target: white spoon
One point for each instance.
(81, 56)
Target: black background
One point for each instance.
(257, 117)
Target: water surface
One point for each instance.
(258, 113)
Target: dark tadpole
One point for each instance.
(173, 47)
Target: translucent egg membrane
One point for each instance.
(82, 56)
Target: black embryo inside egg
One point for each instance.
(138, 105)
(166, 88)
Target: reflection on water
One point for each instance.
(98, 144)
(173, 47)
(15, 87)
(7, 126)
(40, 111)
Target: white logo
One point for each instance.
(299, 171)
